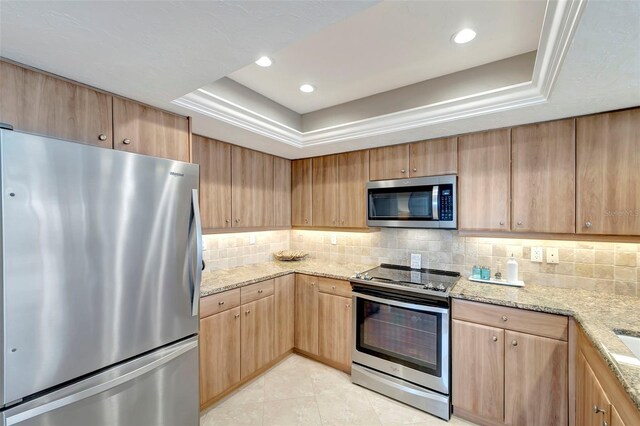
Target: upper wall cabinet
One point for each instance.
(608, 173)
(325, 191)
(37, 103)
(483, 186)
(433, 157)
(389, 162)
(543, 177)
(281, 192)
(301, 192)
(144, 130)
(251, 188)
(353, 175)
(214, 158)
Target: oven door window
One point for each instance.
(409, 337)
(401, 203)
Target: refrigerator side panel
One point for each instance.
(3, 343)
(98, 258)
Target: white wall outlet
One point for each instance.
(204, 245)
(416, 261)
(334, 239)
(252, 239)
(537, 253)
(552, 255)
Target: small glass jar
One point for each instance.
(475, 272)
(485, 273)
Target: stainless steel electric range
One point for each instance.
(401, 335)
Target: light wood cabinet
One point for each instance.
(301, 192)
(543, 177)
(219, 353)
(433, 157)
(535, 370)
(478, 369)
(257, 334)
(306, 313)
(484, 165)
(353, 175)
(334, 329)
(145, 130)
(389, 162)
(589, 394)
(251, 188)
(616, 420)
(608, 182)
(214, 158)
(38, 103)
(285, 313)
(281, 192)
(325, 191)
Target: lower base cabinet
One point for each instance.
(334, 329)
(306, 314)
(257, 335)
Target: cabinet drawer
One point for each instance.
(256, 291)
(537, 323)
(337, 287)
(219, 302)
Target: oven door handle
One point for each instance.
(414, 306)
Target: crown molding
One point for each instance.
(560, 22)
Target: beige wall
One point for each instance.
(229, 250)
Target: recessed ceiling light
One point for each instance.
(307, 88)
(264, 61)
(464, 36)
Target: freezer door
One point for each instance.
(99, 254)
(160, 389)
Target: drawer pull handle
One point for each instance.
(259, 291)
(597, 410)
(494, 338)
(247, 312)
(504, 318)
(236, 316)
(221, 303)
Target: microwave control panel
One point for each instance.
(446, 202)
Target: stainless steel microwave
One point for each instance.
(428, 202)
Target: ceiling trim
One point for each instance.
(559, 26)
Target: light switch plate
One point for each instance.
(537, 253)
(416, 261)
(252, 239)
(334, 239)
(552, 255)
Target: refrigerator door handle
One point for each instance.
(195, 303)
(102, 386)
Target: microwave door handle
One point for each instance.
(435, 203)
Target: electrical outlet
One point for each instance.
(537, 253)
(252, 239)
(204, 245)
(552, 255)
(334, 239)
(416, 261)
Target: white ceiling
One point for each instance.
(391, 45)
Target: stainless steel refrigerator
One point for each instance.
(101, 255)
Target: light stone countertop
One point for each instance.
(597, 313)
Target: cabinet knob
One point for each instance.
(502, 223)
(520, 223)
(347, 305)
(247, 312)
(588, 224)
(236, 316)
(414, 169)
(227, 220)
(342, 222)
(504, 318)
(597, 410)
(313, 284)
(494, 338)
(126, 141)
(403, 171)
(514, 343)
(221, 303)
(237, 220)
(259, 291)
(102, 137)
(306, 221)
(333, 287)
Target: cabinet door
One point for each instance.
(301, 192)
(306, 312)
(536, 382)
(219, 353)
(589, 394)
(478, 369)
(214, 158)
(325, 191)
(285, 312)
(335, 329)
(251, 188)
(389, 162)
(434, 157)
(616, 420)
(37, 103)
(543, 177)
(145, 130)
(257, 335)
(484, 170)
(353, 178)
(608, 181)
(281, 192)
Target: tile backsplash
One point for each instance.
(600, 266)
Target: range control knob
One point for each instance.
(441, 287)
(366, 277)
(358, 275)
(429, 286)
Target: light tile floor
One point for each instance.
(300, 391)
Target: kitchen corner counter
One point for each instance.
(225, 279)
(598, 314)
